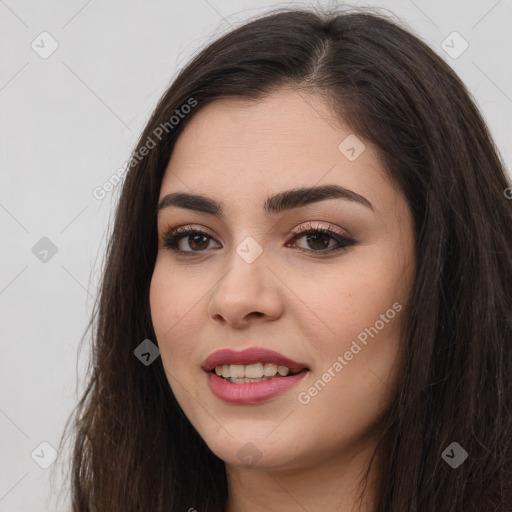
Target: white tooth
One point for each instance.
(283, 370)
(254, 371)
(218, 370)
(225, 370)
(245, 379)
(269, 370)
(237, 371)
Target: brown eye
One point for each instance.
(197, 242)
(319, 239)
(188, 240)
(195, 239)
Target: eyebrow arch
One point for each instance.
(277, 203)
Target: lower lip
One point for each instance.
(251, 392)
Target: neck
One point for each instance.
(335, 482)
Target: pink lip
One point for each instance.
(250, 392)
(249, 356)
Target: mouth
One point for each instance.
(254, 364)
(256, 372)
(234, 385)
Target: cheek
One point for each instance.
(172, 301)
(172, 317)
(356, 371)
(358, 317)
(377, 280)
(344, 302)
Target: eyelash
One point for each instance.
(172, 237)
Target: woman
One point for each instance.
(314, 232)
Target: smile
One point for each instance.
(251, 391)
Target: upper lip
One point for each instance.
(249, 356)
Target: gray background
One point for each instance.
(69, 122)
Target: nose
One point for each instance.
(245, 293)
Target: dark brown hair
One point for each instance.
(133, 447)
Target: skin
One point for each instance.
(306, 306)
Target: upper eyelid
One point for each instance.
(189, 227)
(308, 225)
(178, 233)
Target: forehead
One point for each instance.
(284, 140)
(289, 124)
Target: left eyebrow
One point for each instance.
(277, 203)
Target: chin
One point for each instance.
(252, 450)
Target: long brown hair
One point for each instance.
(133, 447)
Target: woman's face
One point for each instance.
(330, 301)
